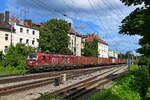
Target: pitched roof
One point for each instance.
(71, 31)
(5, 26)
(91, 37)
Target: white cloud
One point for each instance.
(107, 14)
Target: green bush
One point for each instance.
(131, 86)
(12, 70)
(17, 55)
(144, 60)
(148, 94)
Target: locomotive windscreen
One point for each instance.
(32, 56)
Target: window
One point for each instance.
(33, 42)
(21, 30)
(6, 37)
(32, 56)
(27, 30)
(6, 49)
(72, 43)
(44, 57)
(27, 41)
(49, 57)
(33, 32)
(20, 40)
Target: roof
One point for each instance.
(28, 26)
(91, 37)
(28, 23)
(5, 26)
(16, 20)
(71, 31)
(39, 24)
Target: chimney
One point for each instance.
(17, 21)
(6, 17)
(1, 18)
(27, 22)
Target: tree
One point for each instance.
(17, 55)
(54, 37)
(91, 49)
(138, 23)
(127, 55)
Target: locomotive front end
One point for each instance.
(31, 61)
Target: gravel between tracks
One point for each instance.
(34, 93)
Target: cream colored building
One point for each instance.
(5, 38)
(112, 54)
(25, 35)
(22, 34)
(102, 49)
(75, 44)
(102, 45)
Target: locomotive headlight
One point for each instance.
(36, 63)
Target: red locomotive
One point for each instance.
(43, 61)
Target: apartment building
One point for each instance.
(26, 35)
(102, 45)
(112, 54)
(20, 32)
(5, 38)
(75, 42)
(102, 49)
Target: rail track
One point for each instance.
(50, 79)
(19, 78)
(76, 90)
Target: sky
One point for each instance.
(100, 17)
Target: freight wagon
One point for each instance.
(43, 61)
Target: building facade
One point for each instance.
(5, 38)
(75, 42)
(102, 45)
(15, 31)
(102, 50)
(112, 54)
(26, 35)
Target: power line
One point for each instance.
(42, 4)
(96, 14)
(76, 11)
(111, 8)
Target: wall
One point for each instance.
(72, 44)
(3, 42)
(103, 50)
(112, 54)
(24, 35)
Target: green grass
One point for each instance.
(134, 85)
(12, 70)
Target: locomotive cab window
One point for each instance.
(44, 57)
(32, 56)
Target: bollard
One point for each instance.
(56, 82)
(64, 77)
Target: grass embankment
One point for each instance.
(12, 70)
(134, 85)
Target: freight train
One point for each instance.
(43, 61)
